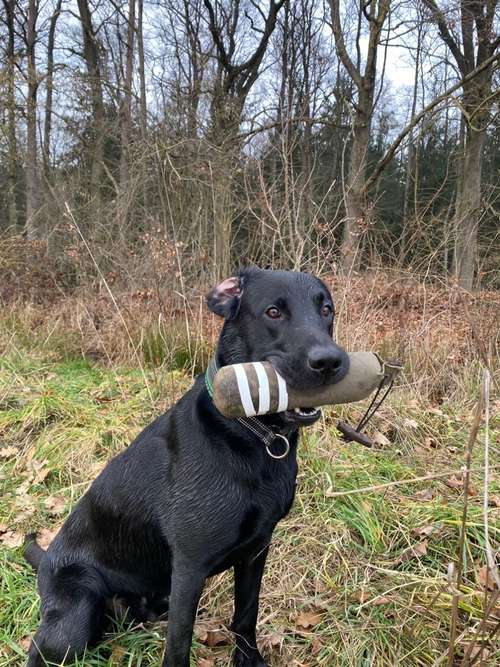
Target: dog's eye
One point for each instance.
(326, 310)
(273, 313)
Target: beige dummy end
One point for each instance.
(246, 390)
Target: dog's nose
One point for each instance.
(325, 359)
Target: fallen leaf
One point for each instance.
(308, 619)
(273, 639)
(316, 645)
(7, 452)
(380, 439)
(410, 423)
(25, 514)
(430, 443)
(211, 637)
(362, 595)
(45, 536)
(37, 471)
(25, 642)
(216, 638)
(480, 652)
(380, 601)
(429, 529)
(494, 501)
(12, 538)
(424, 494)
(485, 578)
(206, 662)
(55, 504)
(415, 551)
(22, 489)
(3, 528)
(457, 483)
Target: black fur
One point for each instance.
(194, 494)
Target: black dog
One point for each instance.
(196, 493)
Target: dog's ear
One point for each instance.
(224, 300)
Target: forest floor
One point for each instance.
(359, 573)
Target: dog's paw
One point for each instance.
(242, 660)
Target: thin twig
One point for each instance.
(411, 480)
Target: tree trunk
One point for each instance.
(142, 76)
(49, 87)
(225, 159)
(32, 181)
(468, 207)
(92, 61)
(477, 44)
(355, 222)
(10, 54)
(468, 200)
(126, 100)
(232, 86)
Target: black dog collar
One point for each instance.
(265, 434)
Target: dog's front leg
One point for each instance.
(187, 585)
(247, 580)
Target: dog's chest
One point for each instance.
(267, 499)
(248, 530)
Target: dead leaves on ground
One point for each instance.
(486, 579)
(366, 598)
(425, 494)
(428, 529)
(415, 551)
(45, 536)
(55, 504)
(308, 620)
(212, 634)
(14, 538)
(10, 538)
(458, 484)
(8, 452)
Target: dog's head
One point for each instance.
(284, 317)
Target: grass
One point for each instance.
(353, 580)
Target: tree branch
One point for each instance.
(389, 154)
(340, 44)
(440, 19)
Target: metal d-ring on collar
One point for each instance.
(251, 423)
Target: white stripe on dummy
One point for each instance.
(264, 394)
(244, 389)
(283, 393)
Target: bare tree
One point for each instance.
(236, 79)
(471, 47)
(126, 98)
(143, 104)
(49, 87)
(10, 58)
(233, 83)
(32, 175)
(356, 223)
(93, 62)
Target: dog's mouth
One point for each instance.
(303, 416)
